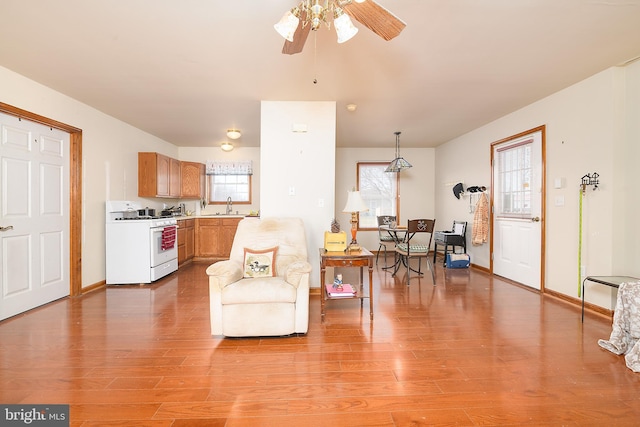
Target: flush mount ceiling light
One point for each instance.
(226, 146)
(352, 107)
(399, 163)
(313, 14)
(233, 133)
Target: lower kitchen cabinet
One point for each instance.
(186, 240)
(214, 237)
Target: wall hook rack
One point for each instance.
(590, 179)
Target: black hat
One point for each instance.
(457, 189)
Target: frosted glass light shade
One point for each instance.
(233, 133)
(287, 26)
(344, 28)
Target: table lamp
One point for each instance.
(354, 205)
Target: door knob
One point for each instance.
(535, 219)
(6, 228)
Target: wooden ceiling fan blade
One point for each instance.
(376, 18)
(299, 38)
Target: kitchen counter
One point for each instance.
(179, 218)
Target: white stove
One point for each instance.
(139, 249)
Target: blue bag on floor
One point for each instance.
(458, 260)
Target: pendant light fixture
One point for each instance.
(399, 163)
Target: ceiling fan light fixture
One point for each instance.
(226, 146)
(286, 27)
(312, 14)
(344, 27)
(233, 133)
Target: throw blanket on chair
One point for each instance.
(626, 326)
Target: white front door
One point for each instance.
(518, 208)
(34, 200)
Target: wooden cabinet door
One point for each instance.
(162, 175)
(182, 256)
(186, 242)
(190, 180)
(174, 177)
(207, 237)
(154, 175)
(189, 243)
(228, 232)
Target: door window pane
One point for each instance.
(514, 165)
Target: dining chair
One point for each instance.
(416, 245)
(384, 237)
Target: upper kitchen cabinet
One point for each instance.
(192, 180)
(158, 176)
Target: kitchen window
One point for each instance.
(229, 179)
(238, 187)
(379, 190)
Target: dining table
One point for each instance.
(398, 234)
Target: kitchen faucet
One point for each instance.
(229, 205)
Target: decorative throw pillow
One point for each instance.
(260, 262)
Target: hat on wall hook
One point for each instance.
(458, 189)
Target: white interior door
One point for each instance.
(34, 215)
(518, 208)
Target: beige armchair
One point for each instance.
(263, 289)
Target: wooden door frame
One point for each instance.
(75, 190)
(543, 197)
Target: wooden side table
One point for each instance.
(360, 259)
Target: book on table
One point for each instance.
(335, 291)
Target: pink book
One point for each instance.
(346, 291)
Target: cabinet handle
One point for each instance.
(10, 227)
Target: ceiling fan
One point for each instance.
(312, 14)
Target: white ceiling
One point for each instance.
(186, 70)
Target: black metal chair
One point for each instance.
(411, 248)
(457, 236)
(384, 237)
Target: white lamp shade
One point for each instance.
(344, 28)
(355, 203)
(287, 26)
(226, 146)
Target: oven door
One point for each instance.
(164, 244)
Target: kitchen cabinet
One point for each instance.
(192, 178)
(186, 240)
(214, 237)
(158, 175)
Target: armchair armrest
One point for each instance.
(223, 273)
(295, 271)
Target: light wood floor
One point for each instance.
(471, 351)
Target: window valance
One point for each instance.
(237, 167)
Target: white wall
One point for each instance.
(302, 164)
(588, 130)
(109, 158)
(626, 158)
